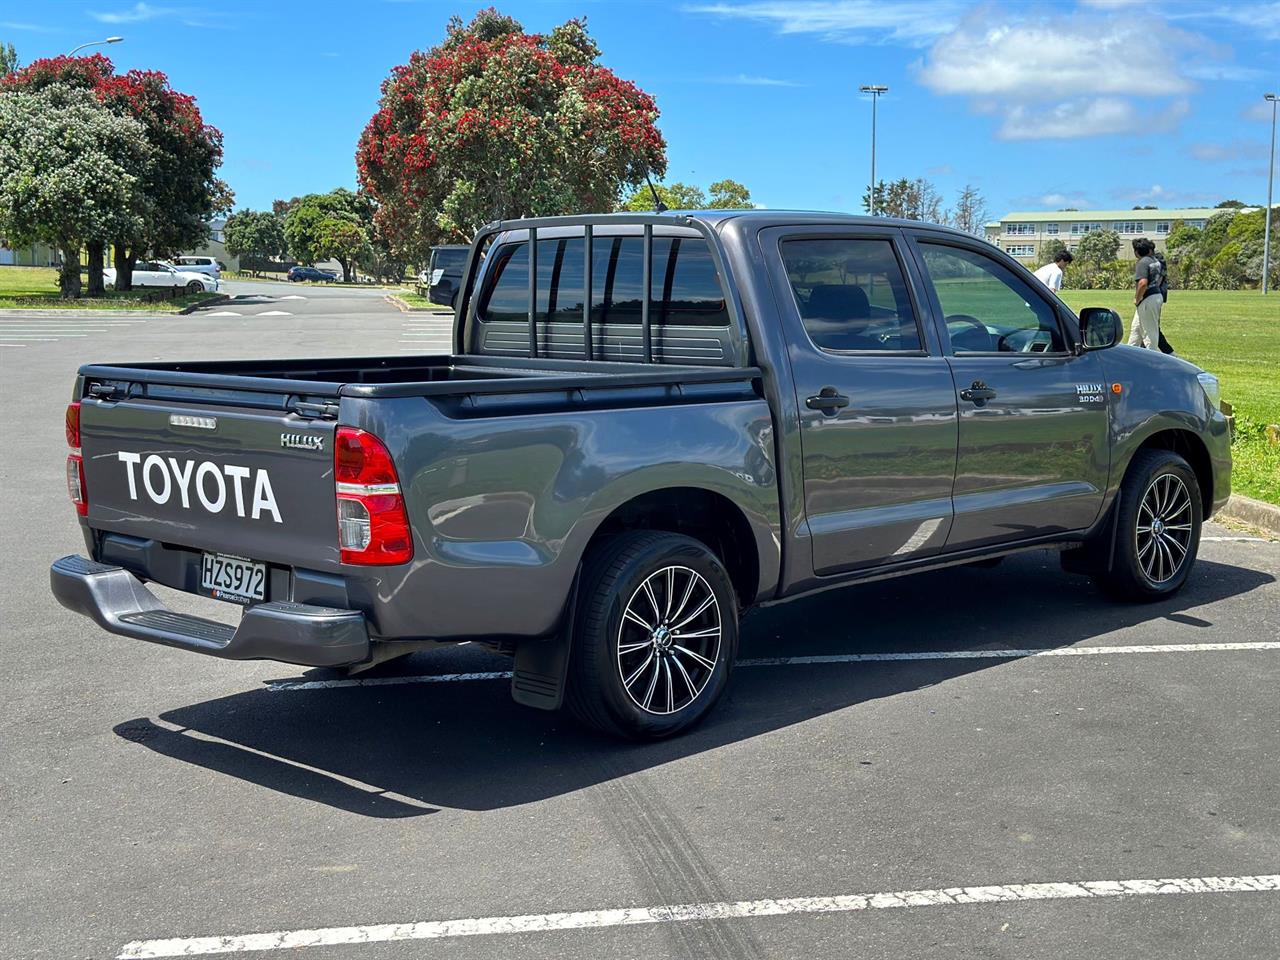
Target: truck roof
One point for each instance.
(759, 218)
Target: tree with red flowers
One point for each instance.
(494, 123)
(178, 190)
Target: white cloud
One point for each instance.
(1085, 74)
(33, 27)
(1261, 19)
(989, 55)
(135, 14)
(1157, 194)
(747, 80)
(1059, 201)
(909, 22)
(1261, 110)
(1234, 150)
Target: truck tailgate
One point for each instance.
(253, 483)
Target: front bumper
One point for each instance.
(298, 633)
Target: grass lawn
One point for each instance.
(418, 302)
(1235, 335)
(37, 288)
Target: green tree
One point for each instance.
(255, 235)
(970, 213)
(729, 195)
(906, 200)
(1098, 248)
(675, 196)
(1050, 250)
(320, 226)
(1230, 205)
(494, 123)
(68, 172)
(8, 59)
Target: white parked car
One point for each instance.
(156, 273)
(206, 265)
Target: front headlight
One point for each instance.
(1209, 383)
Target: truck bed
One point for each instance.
(279, 383)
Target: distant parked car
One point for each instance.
(206, 265)
(156, 273)
(443, 275)
(311, 273)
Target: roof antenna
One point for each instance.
(658, 205)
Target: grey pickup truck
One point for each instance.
(647, 425)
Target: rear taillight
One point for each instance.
(75, 463)
(373, 526)
(73, 425)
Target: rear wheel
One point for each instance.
(656, 636)
(1158, 528)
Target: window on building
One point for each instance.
(1198, 224)
(1080, 229)
(1019, 229)
(1051, 229)
(1162, 227)
(1129, 226)
(1020, 249)
(851, 294)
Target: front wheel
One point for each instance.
(195, 286)
(655, 638)
(1158, 532)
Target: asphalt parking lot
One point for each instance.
(974, 763)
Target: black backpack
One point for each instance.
(1158, 275)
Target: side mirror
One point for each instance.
(1099, 328)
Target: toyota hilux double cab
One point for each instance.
(647, 425)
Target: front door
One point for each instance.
(876, 400)
(1034, 456)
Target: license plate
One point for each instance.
(233, 578)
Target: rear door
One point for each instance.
(1033, 456)
(253, 483)
(876, 399)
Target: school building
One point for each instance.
(1023, 234)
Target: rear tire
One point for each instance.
(1158, 520)
(655, 638)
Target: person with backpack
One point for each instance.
(1148, 298)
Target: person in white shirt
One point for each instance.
(1051, 273)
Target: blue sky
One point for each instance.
(1085, 103)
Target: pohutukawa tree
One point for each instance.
(494, 123)
(178, 186)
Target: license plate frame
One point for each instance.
(225, 576)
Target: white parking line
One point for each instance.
(221, 313)
(1007, 654)
(1233, 540)
(274, 313)
(684, 912)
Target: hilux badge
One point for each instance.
(302, 441)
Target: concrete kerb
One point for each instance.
(211, 302)
(1256, 513)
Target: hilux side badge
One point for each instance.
(302, 441)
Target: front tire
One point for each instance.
(1158, 528)
(655, 638)
(195, 286)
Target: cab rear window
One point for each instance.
(684, 290)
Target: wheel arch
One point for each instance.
(1191, 448)
(705, 515)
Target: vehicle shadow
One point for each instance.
(412, 747)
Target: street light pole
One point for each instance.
(94, 43)
(875, 90)
(1271, 175)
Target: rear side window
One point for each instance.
(851, 294)
(450, 260)
(684, 290)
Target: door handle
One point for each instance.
(978, 393)
(828, 401)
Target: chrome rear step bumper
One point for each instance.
(297, 633)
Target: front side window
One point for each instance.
(988, 308)
(851, 294)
